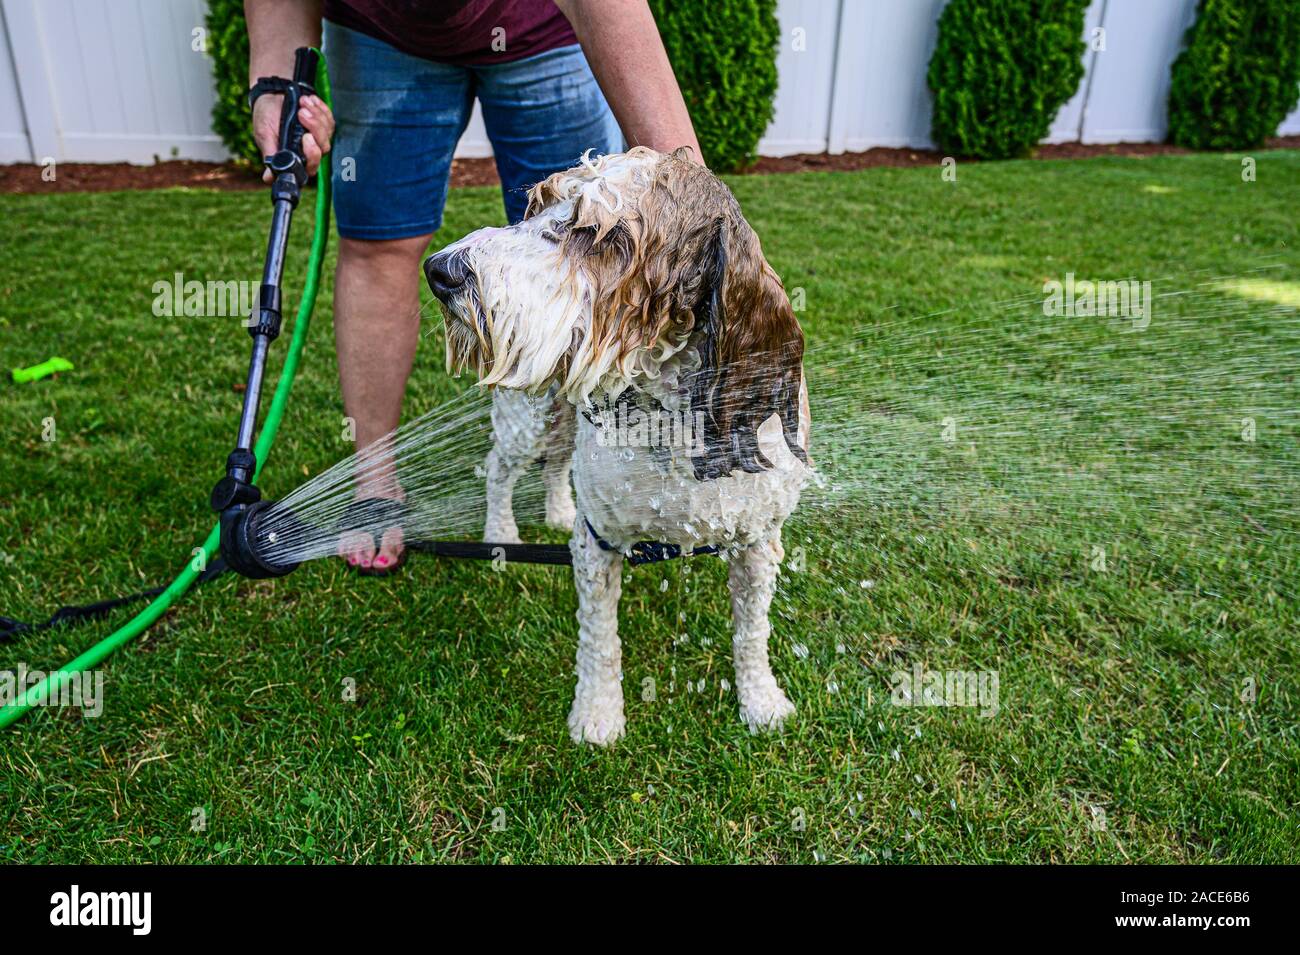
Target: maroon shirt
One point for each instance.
(458, 31)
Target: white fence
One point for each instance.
(105, 81)
(121, 80)
(853, 74)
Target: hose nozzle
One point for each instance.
(246, 542)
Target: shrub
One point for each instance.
(1001, 71)
(228, 47)
(724, 55)
(723, 52)
(1238, 76)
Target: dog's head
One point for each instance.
(619, 264)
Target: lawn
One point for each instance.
(1074, 504)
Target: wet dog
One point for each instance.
(634, 331)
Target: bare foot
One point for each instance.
(357, 547)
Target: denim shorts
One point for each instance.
(398, 118)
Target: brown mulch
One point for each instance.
(106, 177)
(101, 177)
(898, 158)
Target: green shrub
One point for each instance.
(723, 52)
(724, 55)
(228, 47)
(1001, 71)
(1239, 75)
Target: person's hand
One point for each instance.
(317, 125)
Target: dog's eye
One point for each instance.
(549, 235)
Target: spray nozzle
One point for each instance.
(246, 542)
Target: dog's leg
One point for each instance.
(560, 512)
(597, 714)
(753, 580)
(518, 426)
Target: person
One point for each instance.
(554, 78)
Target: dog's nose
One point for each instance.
(446, 272)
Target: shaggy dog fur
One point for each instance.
(633, 329)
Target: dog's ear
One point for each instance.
(751, 351)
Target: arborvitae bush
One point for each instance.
(228, 47)
(1239, 75)
(724, 55)
(1001, 71)
(723, 52)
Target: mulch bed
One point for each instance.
(103, 177)
(900, 158)
(106, 177)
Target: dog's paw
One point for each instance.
(560, 511)
(502, 532)
(596, 723)
(766, 710)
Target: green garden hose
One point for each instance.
(146, 617)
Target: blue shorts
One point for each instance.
(399, 118)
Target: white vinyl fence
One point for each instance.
(105, 81)
(853, 74)
(126, 80)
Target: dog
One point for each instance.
(633, 302)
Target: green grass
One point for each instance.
(1120, 690)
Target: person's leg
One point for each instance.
(399, 118)
(542, 113)
(376, 330)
